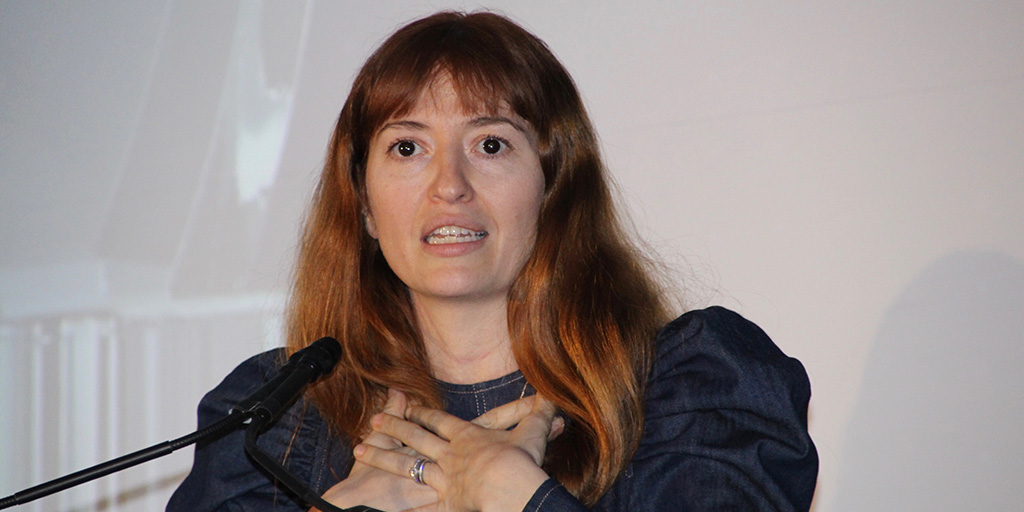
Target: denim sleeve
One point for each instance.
(725, 427)
(223, 478)
(552, 497)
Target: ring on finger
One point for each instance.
(416, 470)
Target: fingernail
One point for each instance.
(557, 425)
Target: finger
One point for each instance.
(396, 463)
(387, 460)
(439, 422)
(386, 442)
(540, 420)
(542, 404)
(395, 406)
(409, 433)
(432, 507)
(508, 415)
(557, 427)
(381, 440)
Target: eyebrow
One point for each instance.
(403, 124)
(489, 120)
(477, 122)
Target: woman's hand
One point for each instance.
(370, 486)
(476, 465)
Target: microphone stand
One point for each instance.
(259, 411)
(229, 422)
(282, 475)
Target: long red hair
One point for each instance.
(583, 311)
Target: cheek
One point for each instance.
(527, 208)
(390, 240)
(535, 196)
(384, 208)
(389, 221)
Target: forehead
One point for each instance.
(442, 103)
(446, 97)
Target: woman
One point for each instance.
(503, 339)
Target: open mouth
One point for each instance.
(453, 235)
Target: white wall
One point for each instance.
(847, 176)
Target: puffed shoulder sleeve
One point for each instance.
(725, 423)
(725, 426)
(223, 478)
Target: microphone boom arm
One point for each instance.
(229, 422)
(262, 407)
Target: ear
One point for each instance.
(371, 226)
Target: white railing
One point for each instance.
(81, 389)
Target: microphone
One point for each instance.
(303, 368)
(274, 397)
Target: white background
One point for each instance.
(847, 175)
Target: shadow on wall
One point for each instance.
(940, 418)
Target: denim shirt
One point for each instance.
(725, 429)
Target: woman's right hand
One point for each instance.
(372, 487)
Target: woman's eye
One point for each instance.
(493, 145)
(405, 148)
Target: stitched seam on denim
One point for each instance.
(545, 498)
(319, 458)
(476, 399)
(474, 391)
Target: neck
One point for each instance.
(466, 341)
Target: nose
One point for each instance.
(450, 181)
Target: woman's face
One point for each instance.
(454, 197)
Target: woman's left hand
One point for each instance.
(477, 465)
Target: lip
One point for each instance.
(453, 249)
(455, 220)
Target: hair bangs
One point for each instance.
(490, 68)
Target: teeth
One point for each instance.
(453, 235)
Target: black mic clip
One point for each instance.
(302, 368)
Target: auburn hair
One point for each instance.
(582, 313)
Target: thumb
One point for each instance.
(395, 406)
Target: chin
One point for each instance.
(464, 291)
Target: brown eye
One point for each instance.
(491, 146)
(406, 148)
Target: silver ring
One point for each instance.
(416, 470)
